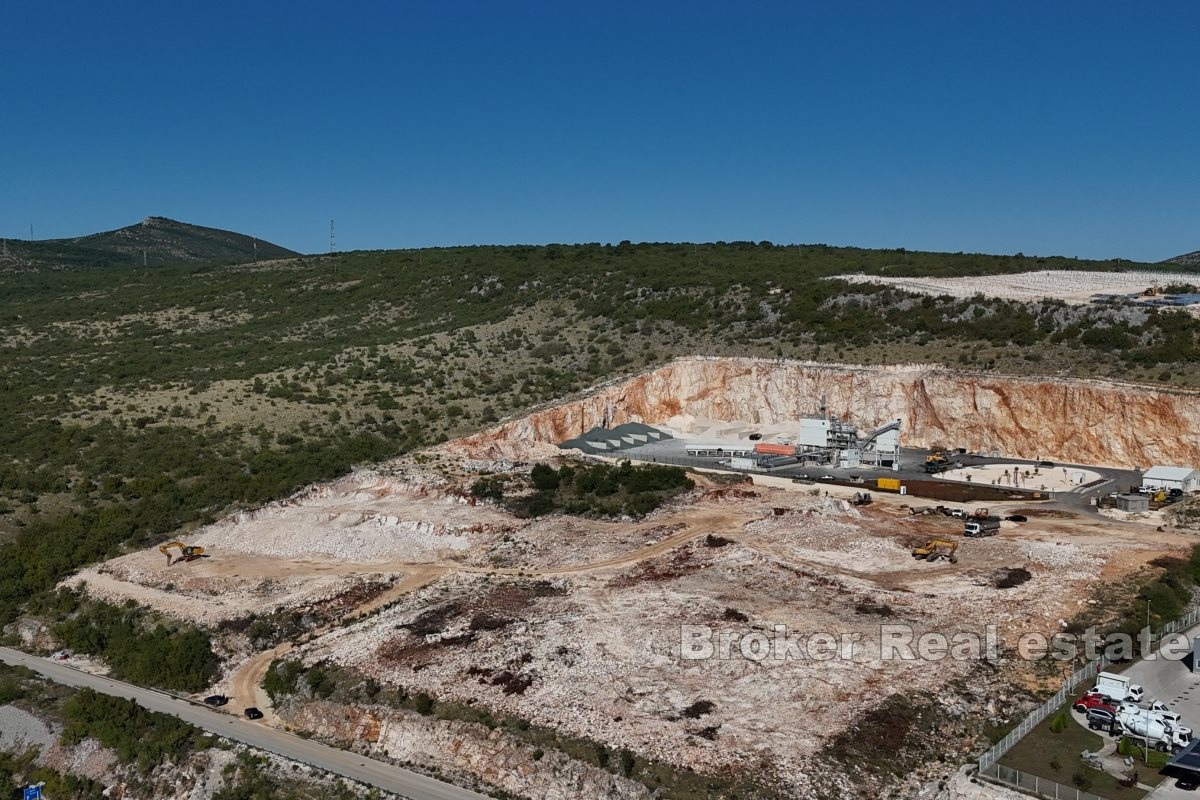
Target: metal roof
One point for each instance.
(1188, 758)
(603, 440)
(1169, 473)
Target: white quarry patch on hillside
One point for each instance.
(1070, 286)
(364, 517)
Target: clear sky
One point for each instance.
(1042, 127)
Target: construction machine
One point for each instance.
(936, 462)
(187, 552)
(936, 549)
(862, 499)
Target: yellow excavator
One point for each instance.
(187, 552)
(936, 549)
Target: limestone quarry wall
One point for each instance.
(1078, 421)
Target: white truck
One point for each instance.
(1118, 687)
(1160, 735)
(981, 526)
(1159, 711)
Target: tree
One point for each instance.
(544, 478)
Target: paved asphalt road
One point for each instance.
(331, 759)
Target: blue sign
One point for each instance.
(33, 793)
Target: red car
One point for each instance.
(1090, 701)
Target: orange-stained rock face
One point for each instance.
(1078, 421)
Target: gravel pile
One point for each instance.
(20, 730)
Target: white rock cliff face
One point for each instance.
(1078, 421)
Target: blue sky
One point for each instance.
(1050, 128)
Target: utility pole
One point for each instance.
(256, 251)
(331, 239)
(31, 231)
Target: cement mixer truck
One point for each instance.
(1142, 727)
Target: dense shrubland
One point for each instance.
(598, 490)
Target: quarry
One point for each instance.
(1142, 288)
(401, 576)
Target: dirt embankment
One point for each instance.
(1089, 422)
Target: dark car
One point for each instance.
(1100, 719)
(216, 700)
(1188, 784)
(1045, 463)
(253, 713)
(754, 437)
(1017, 518)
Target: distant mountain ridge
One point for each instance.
(154, 241)
(1186, 258)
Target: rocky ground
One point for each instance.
(578, 626)
(1071, 421)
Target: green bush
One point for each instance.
(598, 490)
(132, 731)
(139, 648)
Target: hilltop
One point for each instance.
(1186, 258)
(154, 241)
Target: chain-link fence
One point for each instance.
(1040, 787)
(988, 760)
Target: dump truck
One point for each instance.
(976, 527)
(936, 549)
(186, 552)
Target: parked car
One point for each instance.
(1017, 518)
(216, 700)
(1101, 719)
(1188, 783)
(1045, 463)
(253, 713)
(826, 478)
(754, 437)
(1090, 701)
(958, 512)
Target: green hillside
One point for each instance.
(138, 402)
(154, 241)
